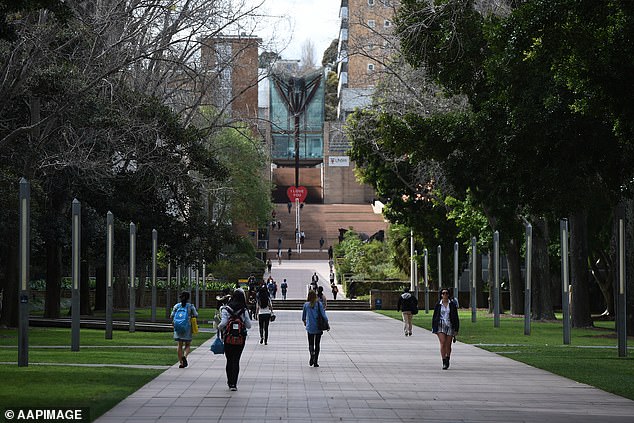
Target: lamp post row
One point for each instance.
(565, 277)
(24, 273)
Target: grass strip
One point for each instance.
(544, 349)
(98, 388)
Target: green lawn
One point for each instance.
(591, 358)
(98, 388)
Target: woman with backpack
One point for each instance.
(181, 321)
(310, 316)
(264, 311)
(233, 326)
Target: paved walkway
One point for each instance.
(369, 372)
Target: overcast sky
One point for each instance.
(292, 22)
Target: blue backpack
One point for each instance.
(181, 319)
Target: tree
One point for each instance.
(308, 55)
(330, 54)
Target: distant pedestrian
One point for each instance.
(408, 305)
(289, 252)
(302, 237)
(445, 324)
(279, 225)
(334, 290)
(279, 243)
(284, 287)
(321, 243)
(321, 297)
(265, 308)
(330, 253)
(289, 205)
(181, 321)
(233, 325)
(279, 256)
(269, 265)
(332, 277)
(312, 309)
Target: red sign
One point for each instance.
(296, 192)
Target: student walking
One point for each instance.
(334, 290)
(269, 265)
(233, 325)
(408, 304)
(312, 309)
(284, 287)
(265, 308)
(445, 324)
(181, 321)
(321, 297)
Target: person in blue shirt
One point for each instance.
(312, 309)
(184, 339)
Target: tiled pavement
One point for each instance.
(369, 372)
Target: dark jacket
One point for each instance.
(453, 317)
(407, 302)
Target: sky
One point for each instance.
(292, 22)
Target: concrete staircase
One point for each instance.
(321, 220)
(343, 304)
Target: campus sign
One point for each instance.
(339, 161)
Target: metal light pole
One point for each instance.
(25, 259)
(439, 267)
(474, 255)
(426, 280)
(132, 306)
(455, 272)
(197, 270)
(154, 248)
(412, 286)
(527, 294)
(168, 299)
(109, 251)
(565, 285)
(76, 247)
(622, 302)
(204, 286)
(496, 285)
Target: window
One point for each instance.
(371, 23)
(370, 67)
(387, 24)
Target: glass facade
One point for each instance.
(311, 140)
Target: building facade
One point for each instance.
(366, 42)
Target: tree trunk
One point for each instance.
(516, 285)
(100, 288)
(140, 291)
(10, 312)
(120, 288)
(602, 272)
(581, 317)
(53, 279)
(481, 295)
(84, 289)
(542, 305)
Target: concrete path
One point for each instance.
(298, 276)
(369, 372)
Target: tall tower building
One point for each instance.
(366, 42)
(235, 60)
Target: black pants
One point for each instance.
(263, 320)
(314, 339)
(233, 353)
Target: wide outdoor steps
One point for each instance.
(321, 220)
(344, 304)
